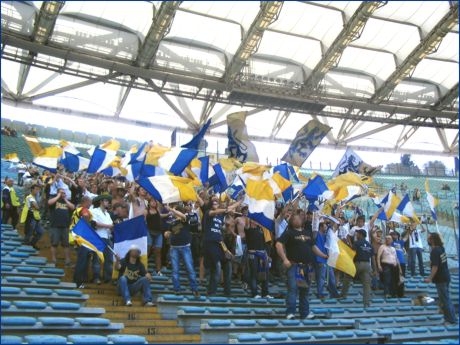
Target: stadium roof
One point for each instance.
(384, 75)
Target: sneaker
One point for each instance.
(129, 303)
(81, 286)
(148, 304)
(310, 316)
(196, 294)
(97, 281)
(269, 297)
(257, 296)
(290, 316)
(159, 274)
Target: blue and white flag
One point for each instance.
(174, 159)
(219, 179)
(134, 155)
(305, 142)
(74, 163)
(103, 155)
(284, 171)
(196, 140)
(351, 162)
(239, 145)
(128, 233)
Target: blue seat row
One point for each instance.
(16, 254)
(32, 270)
(32, 292)
(26, 323)
(33, 261)
(18, 307)
(73, 339)
(22, 248)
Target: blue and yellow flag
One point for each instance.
(306, 140)
(86, 236)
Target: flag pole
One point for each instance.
(454, 220)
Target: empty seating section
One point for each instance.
(38, 308)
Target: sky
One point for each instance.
(268, 152)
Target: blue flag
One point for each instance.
(196, 140)
(86, 236)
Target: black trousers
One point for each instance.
(12, 213)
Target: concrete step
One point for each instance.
(147, 323)
(117, 304)
(185, 338)
(153, 330)
(131, 315)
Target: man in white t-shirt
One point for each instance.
(22, 168)
(414, 236)
(104, 225)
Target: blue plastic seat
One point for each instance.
(218, 299)
(386, 332)
(418, 308)
(6, 304)
(330, 301)
(330, 322)
(278, 301)
(218, 310)
(6, 268)
(11, 260)
(419, 330)
(26, 249)
(9, 290)
(259, 311)
(49, 281)
(267, 322)
(299, 335)
(372, 309)
(19, 255)
(269, 336)
(56, 321)
(18, 321)
(452, 328)
(45, 339)
(290, 322)
(431, 307)
(388, 309)
(363, 333)
(248, 338)
(344, 334)
(355, 310)
(308, 322)
(126, 339)
(384, 320)
(244, 323)
(28, 269)
(10, 339)
(337, 310)
(401, 330)
(437, 329)
(421, 318)
(68, 293)
(93, 321)
(367, 321)
(323, 335)
(435, 317)
(38, 291)
(30, 305)
(219, 323)
(346, 322)
(196, 310)
(52, 270)
(64, 306)
(172, 297)
(238, 300)
(19, 279)
(36, 261)
(87, 339)
(402, 320)
(240, 310)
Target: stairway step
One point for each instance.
(147, 323)
(173, 338)
(136, 308)
(123, 315)
(153, 330)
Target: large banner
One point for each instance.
(351, 162)
(239, 145)
(306, 140)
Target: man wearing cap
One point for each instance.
(133, 277)
(103, 224)
(363, 257)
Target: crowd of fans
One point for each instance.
(218, 244)
(10, 132)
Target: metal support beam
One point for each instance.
(43, 83)
(160, 27)
(191, 123)
(171, 127)
(442, 137)
(351, 31)
(454, 145)
(70, 87)
(43, 29)
(447, 99)
(6, 90)
(123, 97)
(371, 132)
(427, 45)
(208, 82)
(279, 123)
(268, 13)
(405, 135)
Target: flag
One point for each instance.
(315, 188)
(305, 141)
(284, 171)
(34, 144)
(103, 155)
(456, 164)
(260, 199)
(432, 201)
(174, 159)
(74, 163)
(236, 188)
(399, 218)
(128, 233)
(340, 185)
(168, 189)
(86, 236)
(48, 158)
(134, 155)
(196, 140)
(219, 179)
(11, 157)
(239, 145)
(132, 171)
(351, 162)
(200, 167)
(406, 209)
(340, 256)
(390, 202)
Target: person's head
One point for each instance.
(394, 235)
(302, 215)
(81, 182)
(102, 201)
(35, 189)
(413, 225)
(295, 222)
(141, 192)
(61, 192)
(153, 203)
(93, 188)
(134, 252)
(214, 203)
(309, 216)
(188, 206)
(360, 220)
(388, 240)
(121, 210)
(342, 220)
(435, 240)
(361, 234)
(9, 182)
(244, 210)
(85, 202)
(322, 226)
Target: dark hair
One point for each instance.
(138, 259)
(435, 239)
(361, 218)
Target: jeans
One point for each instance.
(390, 279)
(186, 254)
(412, 253)
(445, 302)
(12, 213)
(227, 271)
(322, 270)
(253, 275)
(213, 273)
(294, 291)
(33, 231)
(363, 272)
(20, 179)
(126, 290)
(80, 274)
(108, 261)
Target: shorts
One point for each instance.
(59, 235)
(155, 240)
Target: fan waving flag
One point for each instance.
(168, 189)
(351, 162)
(85, 235)
(306, 140)
(196, 140)
(128, 233)
(260, 199)
(340, 256)
(174, 159)
(390, 203)
(134, 155)
(103, 155)
(283, 170)
(432, 201)
(200, 167)
(406, 209)
(48, 158)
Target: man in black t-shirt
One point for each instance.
(441, 277)
(60, 210)
(363, 258)
(133, 277)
